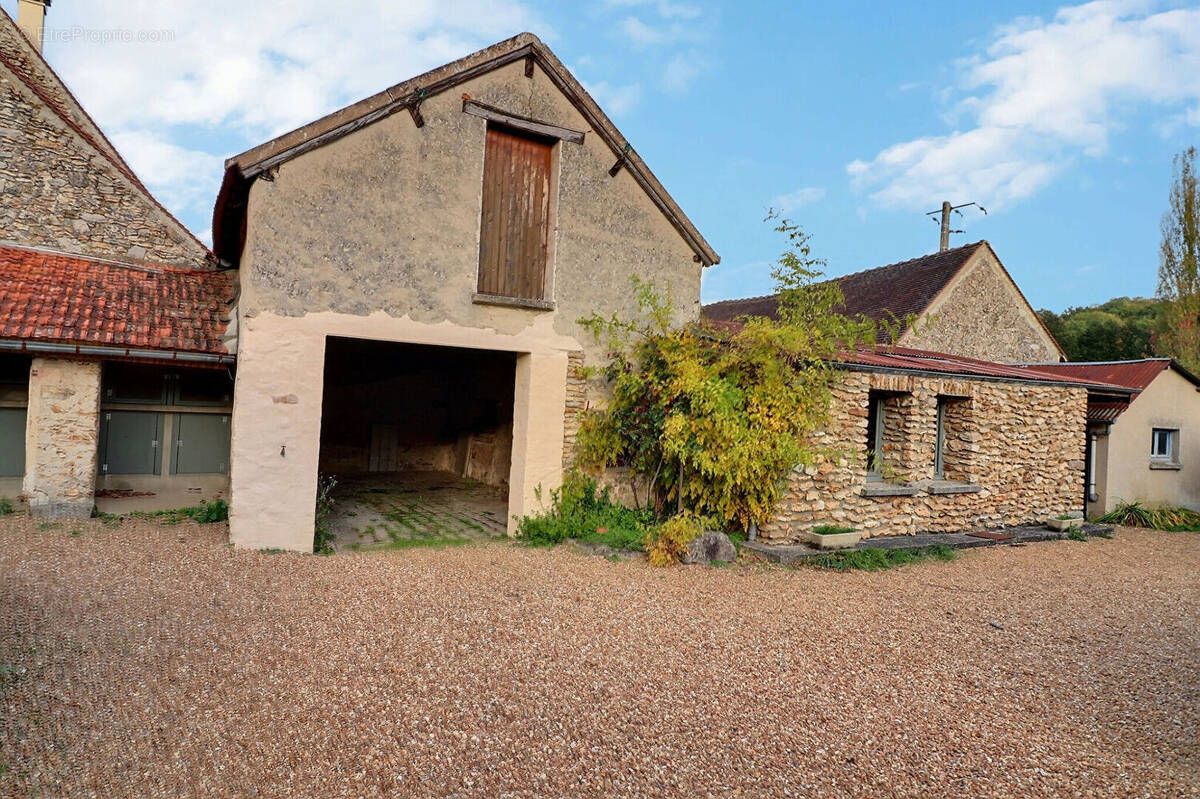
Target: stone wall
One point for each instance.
(58, 191)
(61, 434)
(577, 403)
(1013, 454)
(981, 314)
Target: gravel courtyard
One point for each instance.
(152, 660)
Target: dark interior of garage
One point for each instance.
(391, 407)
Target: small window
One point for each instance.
(939, 457)
(876, 422)
(514, 235)
(1164, 445)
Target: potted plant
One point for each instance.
(1065, 521)
(831, 536)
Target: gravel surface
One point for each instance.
(156, 661)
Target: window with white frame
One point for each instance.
(1164, 445)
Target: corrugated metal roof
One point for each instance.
(885, 357)
(1131, 374)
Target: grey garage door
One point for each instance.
(12, 442)
(201, 444)
(129, 442)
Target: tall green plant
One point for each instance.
(1179, 266)
(715, 419)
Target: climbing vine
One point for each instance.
(714, 418)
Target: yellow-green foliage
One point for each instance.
(716, 420)
(667, 543)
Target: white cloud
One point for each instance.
(787, 203)
(1040, 94)
(664, 8)
(641, 34)
(682, 70)
(182, 179)
(615, 100)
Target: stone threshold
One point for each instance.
(795, 553)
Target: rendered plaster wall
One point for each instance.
(62, 428)
(277, 416)
(980, 314)
(376, 235)
(57, 191)
(1021, 444)
(1169, 402)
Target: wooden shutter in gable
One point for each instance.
(515, 227)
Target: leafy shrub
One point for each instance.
(715, 419)
(6, 507)
(667, 543)
(582, 511)
(1077, 535)
(212, 512)
(831, 529)
(322, 535)
(1133, 514)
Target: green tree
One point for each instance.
(715, 419)
(1179, 256)
(1120, 329)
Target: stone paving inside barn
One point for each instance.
(396, 509)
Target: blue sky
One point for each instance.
(856, 118)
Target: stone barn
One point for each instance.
(412, 272)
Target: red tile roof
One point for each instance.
(48, 296)
(902, 288)
(905, 358)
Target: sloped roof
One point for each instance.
(903, 288)
(909, 359)
(56, 297)
(1137, 374)
(241, 170)
(28, 66)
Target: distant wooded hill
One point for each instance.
(1121, 329)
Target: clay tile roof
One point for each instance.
(903, 288)
(906, 358)
(48, 296)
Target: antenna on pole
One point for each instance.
(944, 211)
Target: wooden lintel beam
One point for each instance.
(493, 114)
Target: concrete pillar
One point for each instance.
(539, 408)
(61, 435)
(276, 442)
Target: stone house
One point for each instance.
(115, 348)
(1147, 448)
(923, 441)
(412, 271)
(963, 300)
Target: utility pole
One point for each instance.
(944, 242)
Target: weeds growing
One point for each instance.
(879, 559)
(1134, 514)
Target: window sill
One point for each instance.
(951, 487)
(513, 302)
(882, 489)
(1166, 465)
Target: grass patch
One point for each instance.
(1077, 535)
(399, 542)
(832, 529)
(204, 513)
(6, 507)
(879, 559)
(580, 510)
(1134, 514)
